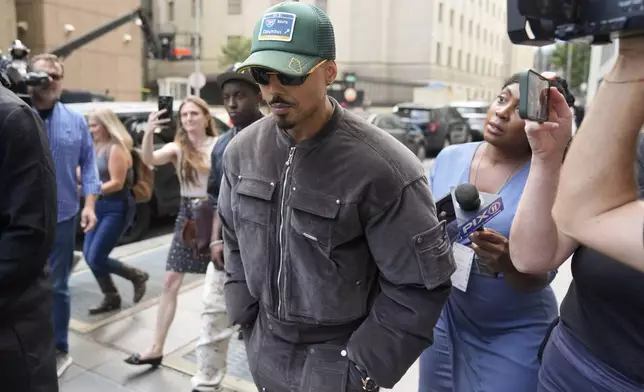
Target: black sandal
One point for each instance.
(135, 359)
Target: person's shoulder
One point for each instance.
(9, 104)
(251, 135)
(381, 149)
(457, 151)
(71, 113)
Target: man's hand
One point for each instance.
(88, 219)
(493, 248)
(217, 255)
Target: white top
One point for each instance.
(200, 190)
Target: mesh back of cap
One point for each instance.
(325, 35)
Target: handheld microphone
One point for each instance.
(473, 209)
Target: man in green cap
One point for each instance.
(337, 266)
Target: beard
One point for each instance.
(284, 124)
(45, 94)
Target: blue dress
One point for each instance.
(487, 338)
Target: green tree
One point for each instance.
(580, 62)
(236, 50)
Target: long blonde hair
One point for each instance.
(114, 127)
(193, 160)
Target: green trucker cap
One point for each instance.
(291, 38)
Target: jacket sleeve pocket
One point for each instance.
(326, 369)
(434, 255)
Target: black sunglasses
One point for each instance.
(263, 76)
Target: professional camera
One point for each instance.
(14, 74)
(541, 22)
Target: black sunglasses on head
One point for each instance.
(263, 76)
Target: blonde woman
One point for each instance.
(190, 153)
(114, 210)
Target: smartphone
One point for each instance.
(166, 102)
(535, 96)
(445, 209)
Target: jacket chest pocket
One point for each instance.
(313, 217)
(327, 281)
(254, 200)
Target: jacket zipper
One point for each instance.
(281, 281)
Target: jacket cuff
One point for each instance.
(242, 307)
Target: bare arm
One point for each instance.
(216, 228)
(536, 244)
(600, 167)
(165, 154)
(118, 163)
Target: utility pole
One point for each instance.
(569, 62)
(197, 53)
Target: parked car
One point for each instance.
(166, 194)
(441, 125)
(408, 134)
(474, 112)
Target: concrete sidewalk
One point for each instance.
(99, 345)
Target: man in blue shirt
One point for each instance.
(71, 146)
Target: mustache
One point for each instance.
(276, 99)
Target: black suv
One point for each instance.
(441, 125)
(166, 193)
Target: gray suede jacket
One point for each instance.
(340, 229)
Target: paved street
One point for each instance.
(99, 344)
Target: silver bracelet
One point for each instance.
(216, 242)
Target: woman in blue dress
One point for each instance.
(490, 331)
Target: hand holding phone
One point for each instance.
(535, 96)
(165, 102)
(550, 137)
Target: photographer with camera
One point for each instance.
(27, 231)
(71, 146)
(598, 344)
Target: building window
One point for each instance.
(476, 64)
(460, 24)
(234, 7)
(478, 31)
(170, 5)
(449, 56)
(440, 12)
(469, 28)
(321, 4)
(451, 18)
(467, 62)
(438, 53)
(459, 64)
